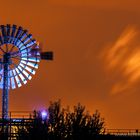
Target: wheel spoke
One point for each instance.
(2, 50)
(6, 47)
(12, 49)
(18, 58)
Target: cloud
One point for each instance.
(122, 59)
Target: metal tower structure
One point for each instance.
(19, 57)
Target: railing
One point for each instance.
(19, 114)
(123, 132)
(17, 119)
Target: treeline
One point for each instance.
(63, 124)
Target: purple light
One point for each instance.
(44, 114)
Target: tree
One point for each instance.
(65, 124)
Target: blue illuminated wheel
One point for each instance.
(21, 52)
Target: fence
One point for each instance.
(123, 132)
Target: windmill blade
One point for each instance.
(25, 73)
(24, 41)
(19, 42)
(16, 78)
(24, 34)
(18, 34)
(4, 35)
(31, 43)
(13, 32)
(27, 68)
(27, 39)
(1, 41)
(33, 59)
(27, 46)
(3, 30)
(1, 82)
(33, 50)
(34, 65)
(13, 85)
(23, 79)
(8, 32)
(8, 29)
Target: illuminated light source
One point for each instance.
(44, 114)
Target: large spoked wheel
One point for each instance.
(20, 52)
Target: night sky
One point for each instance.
(96, 45)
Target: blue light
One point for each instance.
(44, 115)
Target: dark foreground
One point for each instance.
(97, 137)
(113, 137)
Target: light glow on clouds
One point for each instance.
(123, 58)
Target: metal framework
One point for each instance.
(19, 57)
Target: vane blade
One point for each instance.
(18, 34)
(34, 65)
(17, 79)
(27, 68)
(13, 33)
(32, 50)
(1, 83)
(23, 49)
(8, 29)
(1, 41)
(34, 59)
(8, 32)
(32, 42)
(23, 35)
(21, 76)
(4, 35)
(27, 39)
(19, 42)
(25, 73)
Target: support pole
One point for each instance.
(5, 92)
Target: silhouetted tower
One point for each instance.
(19, 57)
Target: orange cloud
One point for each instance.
(123, 59)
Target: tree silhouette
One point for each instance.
(64, 124)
